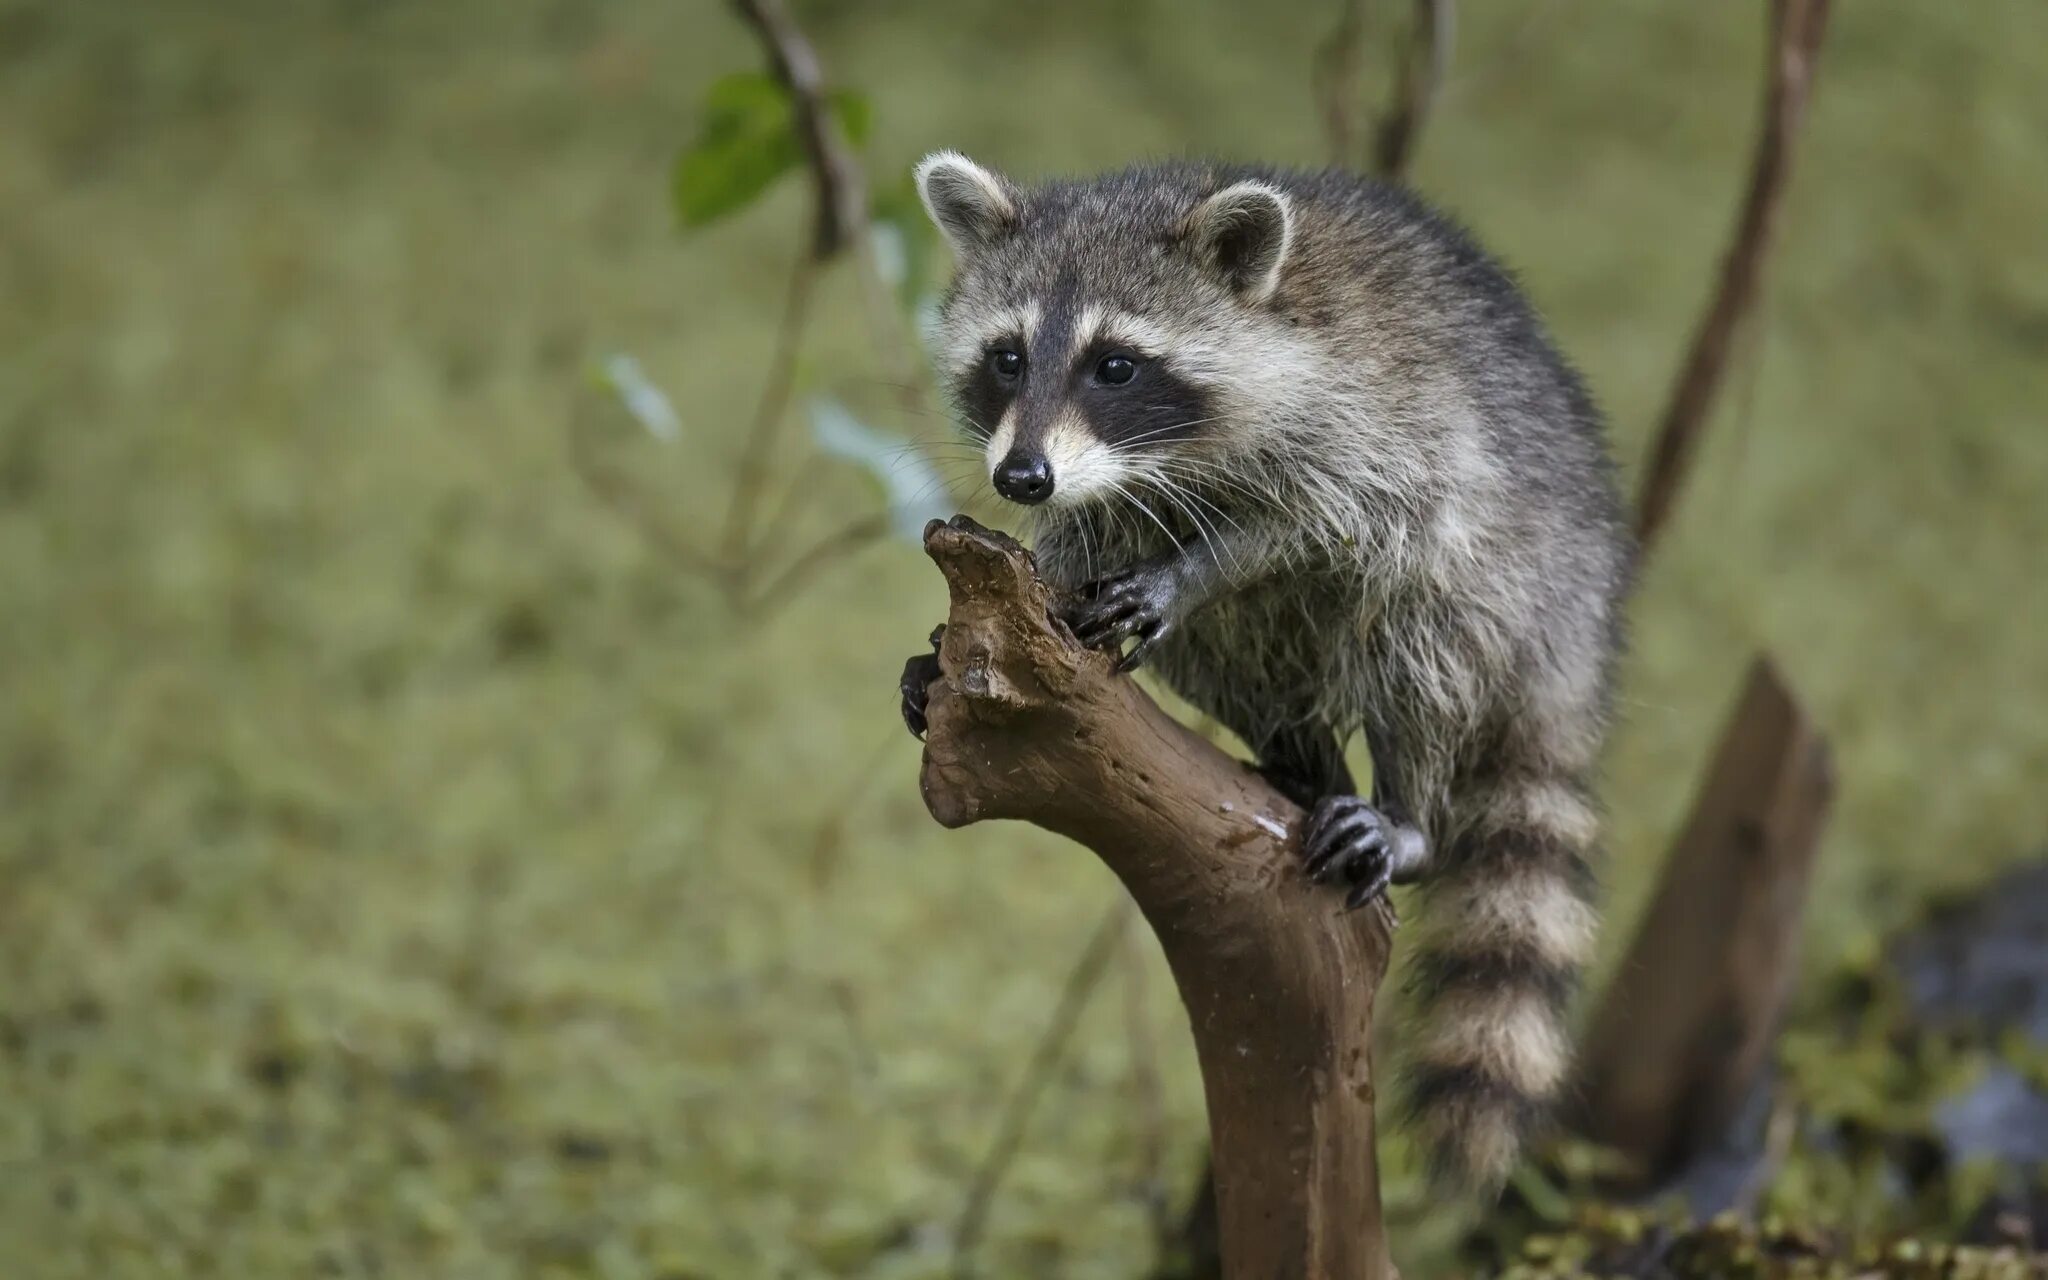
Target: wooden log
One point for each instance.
(1688, 1023)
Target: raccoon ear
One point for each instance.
(1242, 234)
(971, 206)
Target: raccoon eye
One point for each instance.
(1115, 371)
(1005, 364)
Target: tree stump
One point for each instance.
(1688, 1023)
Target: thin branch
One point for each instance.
(729, 574)
(854, 536)
(1797, 27)
(1045, 1059)
(839, 186)
(1781, 1128)
(1148, 1101)
(631, 505)
(841, 222)
(841, 192)
(1422, 77)
(1334, 75)
(769, 412)
(830, 836)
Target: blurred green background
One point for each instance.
(406, 868)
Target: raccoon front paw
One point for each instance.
(1350, 842)
(918, 675)
(1140, 602)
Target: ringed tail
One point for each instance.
(1508, 925)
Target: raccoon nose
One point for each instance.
(1025, 478)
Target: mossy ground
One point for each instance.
(405, 870)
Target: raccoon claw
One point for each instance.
(1148, 640)
(915, 686)
(1348, 840)
(1111, 610)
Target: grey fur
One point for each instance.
(1395, 515)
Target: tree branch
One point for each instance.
(1796, 30)
(1279, 982)
(769, 411)
(628, 502)
(855, 534)
(1333, 76)
(1045, 1059)
(841, 204)
(1422, 77)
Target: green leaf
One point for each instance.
(746, 141)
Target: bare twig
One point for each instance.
(1797, 27)
(1780, 1129)
(627, 500)
(841, 222)
(1422, 76)
(1045, 1059)
(857, 534)
(769, 412)
(831, 831)
(730, 574)
(862, 1049)
(1333, 75)
(840, 187)
(1148, 1102)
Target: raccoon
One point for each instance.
(1302, 446)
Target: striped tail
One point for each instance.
(1507, 925)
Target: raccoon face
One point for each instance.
(1092, 330)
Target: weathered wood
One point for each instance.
(1279, 982)
(1689, 1020)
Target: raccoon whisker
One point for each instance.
(1181, 497)
(1128, 445)
(950, 446)
(1176, 483)
(1200, 472)
(946, 437)
(1186, 499)
(1202, 530)
(1190, 422)
(951, 458)
(1217, 512)
(1125, 445)
(1154, 516)
(1255, 483)
(942, 484)
(1187, 475)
